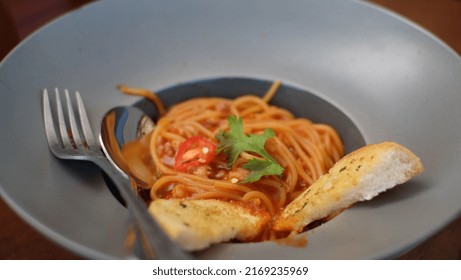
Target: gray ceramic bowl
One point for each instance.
(372, 74)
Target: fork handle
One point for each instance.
(156, 243)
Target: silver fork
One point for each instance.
(74, 140)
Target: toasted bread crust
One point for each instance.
(196, 224)
(360, 175)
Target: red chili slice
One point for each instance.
(195, 151)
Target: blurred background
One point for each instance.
(19, 18)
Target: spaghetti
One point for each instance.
(304, 149)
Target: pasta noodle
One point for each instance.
(304, 149)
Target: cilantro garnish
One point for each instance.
(234, 141)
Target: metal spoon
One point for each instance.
(120, 126)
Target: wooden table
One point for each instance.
(18, 18)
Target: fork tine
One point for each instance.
(48, 119)
(85, 123)
(73, 124)
(62, 123)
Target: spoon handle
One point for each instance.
(156, 244)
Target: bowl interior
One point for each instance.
(301, 103)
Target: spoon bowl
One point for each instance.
(122, 125)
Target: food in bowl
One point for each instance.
(242, 169)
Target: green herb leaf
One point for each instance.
(234, 141)
(261, 168)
